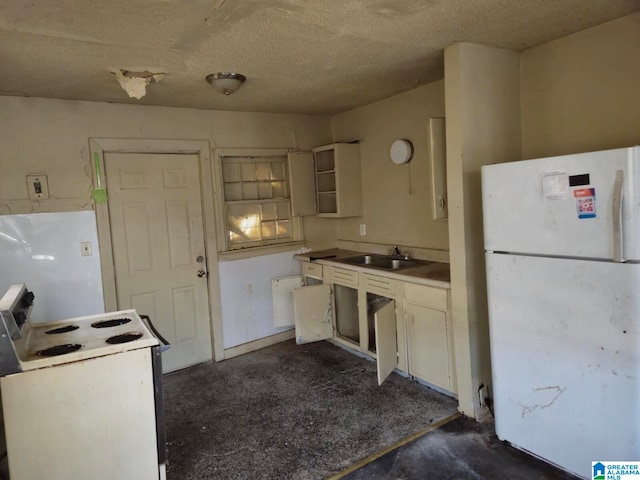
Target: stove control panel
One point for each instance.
(15, 307)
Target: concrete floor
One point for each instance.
(462, 449)
(287, 411)
(314, 411)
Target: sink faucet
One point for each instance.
(395, 251)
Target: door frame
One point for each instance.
(202, 149)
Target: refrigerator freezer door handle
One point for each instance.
(617, 217)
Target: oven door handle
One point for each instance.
(147, 321)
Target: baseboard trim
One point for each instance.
(258, 344)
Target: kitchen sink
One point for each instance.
(384, 262)
(364, 259)
(396, 263)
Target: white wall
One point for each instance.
(51, 137)
(482, 95)
(397, 199)
(247, 303)
(582, 92)
(43, 251)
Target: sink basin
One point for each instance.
(384, 262)
(395, 263)
(364, 259)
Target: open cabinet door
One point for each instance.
(386, 343)
(314, 313)
(303, 183)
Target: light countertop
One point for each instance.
(433, 274)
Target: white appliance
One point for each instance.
(562, 241)
(82, 397)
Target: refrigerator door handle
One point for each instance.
(617, 217)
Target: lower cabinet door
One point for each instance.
(428, 345)
(386, 343)
(313, 312)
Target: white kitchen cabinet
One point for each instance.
(386, 341)
(438, 161)
(341, 302)
(338, 180)
(311, 273)
(401, 324)
(345, 301)
(429, 335)
(301, 173)
(313, 309)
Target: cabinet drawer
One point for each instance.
(312, 269)
(381, 285)
(342, 276)
(424, 295)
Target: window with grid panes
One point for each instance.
(256, 200)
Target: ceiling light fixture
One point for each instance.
(226, 82)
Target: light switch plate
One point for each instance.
(38, 187)
(363, 229)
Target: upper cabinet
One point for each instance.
(438, 156)
(338, 180)
(303, 190)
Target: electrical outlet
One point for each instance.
(363, 229)
(85, 249)
(38, 187)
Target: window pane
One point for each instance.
(244, 223)
(268, 211)
(248, 172)
(249, 190)
(283, 210)
(277, 170)
(283, 229)
(263, 172)
(264, 190)
(268, 230)
(279, 189)
(256, 182)
(230, 171)
(232, 191)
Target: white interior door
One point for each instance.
(157, 235)
(314, 313)
(386, 343)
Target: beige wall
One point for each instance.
(582, 92)
(51, 137)
(483, 126)
(396, 198)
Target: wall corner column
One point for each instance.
(482, 98)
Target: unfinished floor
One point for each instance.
(314, 411)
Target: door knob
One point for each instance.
(202, 273)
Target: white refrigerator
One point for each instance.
(562, 242)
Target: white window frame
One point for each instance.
(257, 248)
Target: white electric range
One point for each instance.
(81, 398)
(54, 343)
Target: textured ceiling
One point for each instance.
(305, 56)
